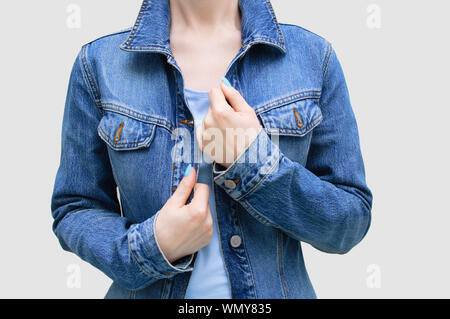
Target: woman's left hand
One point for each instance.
(228, 128)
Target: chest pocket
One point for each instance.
(293, 116)
(122, 132)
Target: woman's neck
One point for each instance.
(206, 16)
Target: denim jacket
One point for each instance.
(127, 138)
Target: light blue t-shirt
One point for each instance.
(209, 278)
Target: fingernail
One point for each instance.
(188, 170)
(225, 80)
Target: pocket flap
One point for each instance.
(295, 118)
(122, 132)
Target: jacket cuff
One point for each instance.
(245, 174)
(148, 255)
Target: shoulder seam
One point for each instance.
(88, 76)
(326, 60)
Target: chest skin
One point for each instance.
(204, 58)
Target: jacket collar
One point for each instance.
(152, 28)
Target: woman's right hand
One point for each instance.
(182, 229)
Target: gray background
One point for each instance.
(398, 78)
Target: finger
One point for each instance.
(184, 189)
(217, 101)
(208, 120)
(237, 101)
(201, 196)
(199, 135)
(209, 216)
(209, 212)
(209, 127)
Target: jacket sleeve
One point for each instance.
(325, 203)
(84, 203)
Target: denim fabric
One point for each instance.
(127, 131)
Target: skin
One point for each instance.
(205, 36)
(182, 229)
(229, 126)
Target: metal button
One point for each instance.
(230, 184)
(235, 241)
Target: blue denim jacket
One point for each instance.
(128, 131)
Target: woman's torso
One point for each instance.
(276, 74)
